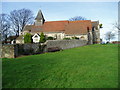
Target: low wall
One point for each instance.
(28, 49)
(12, 51)
(65, 44)
(7, 51)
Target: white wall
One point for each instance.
(58, 35)
(79, 36)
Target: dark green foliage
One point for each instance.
(66, 38)
(28, 38)
(42, 38)
(101, 25)
(75, 38)
(50, 38)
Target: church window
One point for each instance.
(88, 28)
(29, 30)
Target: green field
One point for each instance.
(93, 66)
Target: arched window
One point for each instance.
(29, 30)
(88, 28)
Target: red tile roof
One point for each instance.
(53, 26)
(78, 27)
(69, 27)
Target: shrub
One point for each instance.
(66, 38)
(75, 38)
(28, 38)
(50, 38)
(82, 37)
(107, 42)
(42, 38)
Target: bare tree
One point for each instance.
(76, 18)
(4, 26)
(109, 35)
(20, 18)
(117, 26)
(117, 29)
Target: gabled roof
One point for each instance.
(34, 36)
(12, 37)
(78, 27)
(95, 24)
(49, 26)
(20, 37)
(68, 27)
(33, 28)
(53, 26)
(39, 16)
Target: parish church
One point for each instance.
(82, 29)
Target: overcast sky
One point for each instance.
(105, 12)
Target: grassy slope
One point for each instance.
(94, 66)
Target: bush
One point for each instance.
(50, 38)
(28, 38)
(42, 38)
(75, 38)
(107, 42)
(66, 38)
(82, 37)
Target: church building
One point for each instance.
(82, 29)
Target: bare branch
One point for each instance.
(109, 35)
(20, 18)
(76, 18)
(4, 26)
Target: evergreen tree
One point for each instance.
(28, 38)
(42, 38)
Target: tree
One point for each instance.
(42, 38)
(101, 25)
(117, 26)
(75, 37)
(50, 38)
(20, 18)
(109, 36)
(4, 26)
(76, 18)
(66, 38)
(28, 38)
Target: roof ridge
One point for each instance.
(58, 21)
(80, 21)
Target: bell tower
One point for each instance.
(39, 20)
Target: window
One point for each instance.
(88, 28)
(29, 30)
(36, 36)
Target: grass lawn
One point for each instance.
(93, 66)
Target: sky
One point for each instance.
(105, 12)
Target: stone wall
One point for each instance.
(13, 51)
(65, 44)
(28, 49)
(7, 51)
